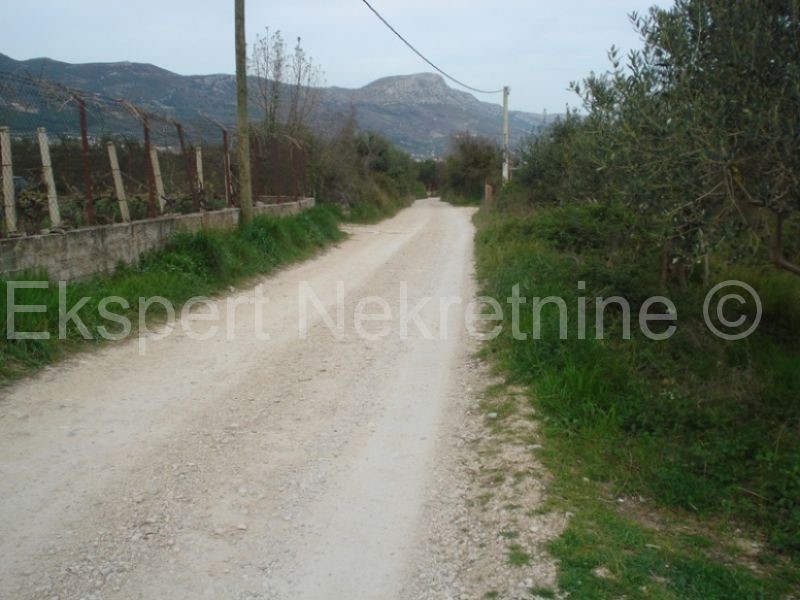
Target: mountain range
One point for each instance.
(419, 113)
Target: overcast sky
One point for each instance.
(535, 46)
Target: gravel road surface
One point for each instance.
(294, 467)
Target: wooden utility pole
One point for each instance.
(506, 151)
(245, 186)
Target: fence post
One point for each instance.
(151, 186)
(198, 157)
(256, 182)
(47, 175)
(226, 159)
(118, 187)
(87, 175)
(189, 169)
(9, 200)
(159, 181)
(488, 196)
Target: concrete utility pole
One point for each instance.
(243, 126)
(506, 152)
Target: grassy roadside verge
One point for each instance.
(192, 265)
(457, 200)
(381, 198)
(368, 213)
(678, 460)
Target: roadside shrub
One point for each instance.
(693, 422)
(472, 163)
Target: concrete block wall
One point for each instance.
(81, 253)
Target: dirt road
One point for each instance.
(244, 467)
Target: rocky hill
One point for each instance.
(419, 113)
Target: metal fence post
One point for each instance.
(87, 175)
(151, 185)
(190, 175)
(226, 159)
(9, 200)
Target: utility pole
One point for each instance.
(243, 126)
(506, 152)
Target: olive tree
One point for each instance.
(699, 130)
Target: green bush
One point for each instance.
(693, 422)
(472, 163)
(364, 174)
(680, 172)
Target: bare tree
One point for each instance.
(278, 76)
(305, 92)
(268, 65)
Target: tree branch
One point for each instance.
(776, 248)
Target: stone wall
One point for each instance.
(83, 252)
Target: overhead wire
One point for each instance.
(423, 57)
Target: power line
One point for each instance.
(422, 56)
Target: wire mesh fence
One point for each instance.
(72, 159)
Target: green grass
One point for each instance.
(641, 565)
(509, 535)
(380, 197)
(191, 265)
(457, 200)
(705, 431)
(517, 557)
(377, 207)
(647, 552)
